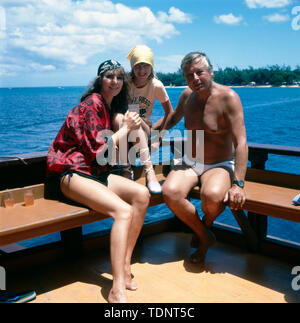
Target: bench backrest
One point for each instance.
(38, 191)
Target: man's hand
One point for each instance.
(235, 197)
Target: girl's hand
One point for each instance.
(132, 120)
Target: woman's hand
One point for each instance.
(132, 120)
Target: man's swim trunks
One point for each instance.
(199, 168)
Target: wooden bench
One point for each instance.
(47, 215)
(268, 194)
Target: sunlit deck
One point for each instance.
(164, 275)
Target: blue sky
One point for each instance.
(62, 42)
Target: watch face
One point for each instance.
(239, 183)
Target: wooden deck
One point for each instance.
(164, 275)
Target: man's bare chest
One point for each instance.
(207, 118)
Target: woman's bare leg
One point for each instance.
(103, 200)
(138, 197)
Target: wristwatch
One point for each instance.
(240, 184)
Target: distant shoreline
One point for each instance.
(264, 86)
(237, 86)
(167, 86)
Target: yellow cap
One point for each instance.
(141, 54)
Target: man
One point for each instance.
(217, 110)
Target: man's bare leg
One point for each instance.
(214, 184)
(175, 190)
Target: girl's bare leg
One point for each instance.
(140, 139)
(143, 149)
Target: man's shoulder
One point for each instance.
(186, 93)
(223, 92)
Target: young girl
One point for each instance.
(145, 88)
(72, 164)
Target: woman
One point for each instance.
(145, 88)
(72, 160)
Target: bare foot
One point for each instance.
(130, 284)
(194, 241)
(199, 255)
(117, 297)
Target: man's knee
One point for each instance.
(172, 192)
(213, 195)
(212, 201)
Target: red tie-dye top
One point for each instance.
(79, 139)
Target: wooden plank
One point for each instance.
(273, 178)
(272, 201)
(275, 149)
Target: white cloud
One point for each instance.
(229, 19)
(276, 17)
(2, 26)
(2, 19)
(70, 32)
(175, 15)
(13, 66)
(40, 67)
(267, 3)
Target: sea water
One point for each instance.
(31, 117)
